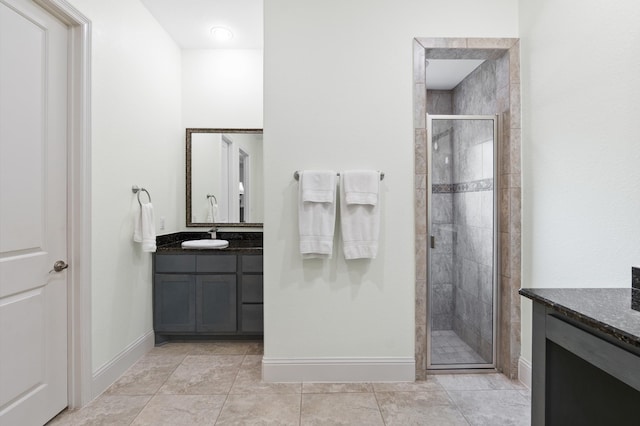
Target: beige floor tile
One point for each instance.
(252, 360)
(173, 348)
(209, 347)
(419, 408)
(199, 382)
(493, 407)
(340, 409)
(220, 348)
(203, 375)
(146, 376)
(430, 384)
(477, 382)
(111, 410)
(336, 387)
(171, 410)
(260, 410)
(255, 348)
(249, 380)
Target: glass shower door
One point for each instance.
(462, 252)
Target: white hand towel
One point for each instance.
(318, 186)
(317, 213)
(145, 229)
(360, 221)
(361, 187)
(213, 212)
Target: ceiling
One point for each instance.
(445, 74)
(189, 23)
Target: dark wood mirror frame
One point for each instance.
(190, 224)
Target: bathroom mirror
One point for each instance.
(224, 177)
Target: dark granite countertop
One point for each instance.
(605, 309)
(239, 243)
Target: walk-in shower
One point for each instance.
(462, 255)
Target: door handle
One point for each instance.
(432, 241)
(59, 266)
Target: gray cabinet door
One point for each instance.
(174, 307)
(216, 303)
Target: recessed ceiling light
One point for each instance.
(221, 34)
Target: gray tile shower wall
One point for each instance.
(473, 209)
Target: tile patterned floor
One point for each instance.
(448, 348)
(219, 383)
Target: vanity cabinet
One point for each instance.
(207, 295)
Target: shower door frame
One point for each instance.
(488, 367)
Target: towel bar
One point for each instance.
(296, 175)
(209, 197)
(137, 190)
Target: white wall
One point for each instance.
(338, 94)
(580, 91)
(137, 138)
(222, 88)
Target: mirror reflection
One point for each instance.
(224, 177)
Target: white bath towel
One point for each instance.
(360, 219)
(145, 228)
(317, 213)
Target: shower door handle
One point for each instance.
(432, 241)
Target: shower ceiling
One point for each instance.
(445, 74)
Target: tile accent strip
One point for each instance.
(452, 188)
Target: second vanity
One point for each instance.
(200, 293)
(585, 356)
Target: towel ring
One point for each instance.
(209, 197)
(136, 190)
(296, 175)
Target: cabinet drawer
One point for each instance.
(216, 263)
(252, 318)
(252, 289)
(175, 263)
(252, 263)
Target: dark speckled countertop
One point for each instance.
(239, 242)
(605, 309)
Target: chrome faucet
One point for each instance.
(213, 232)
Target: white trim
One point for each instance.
(106, 375)
(79, 196)
(338, 369)
(524, 372)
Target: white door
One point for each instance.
(33, 214)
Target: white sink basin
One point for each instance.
(205, 244)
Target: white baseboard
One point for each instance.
(338, 369)
(106, 375)
(524, 372)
